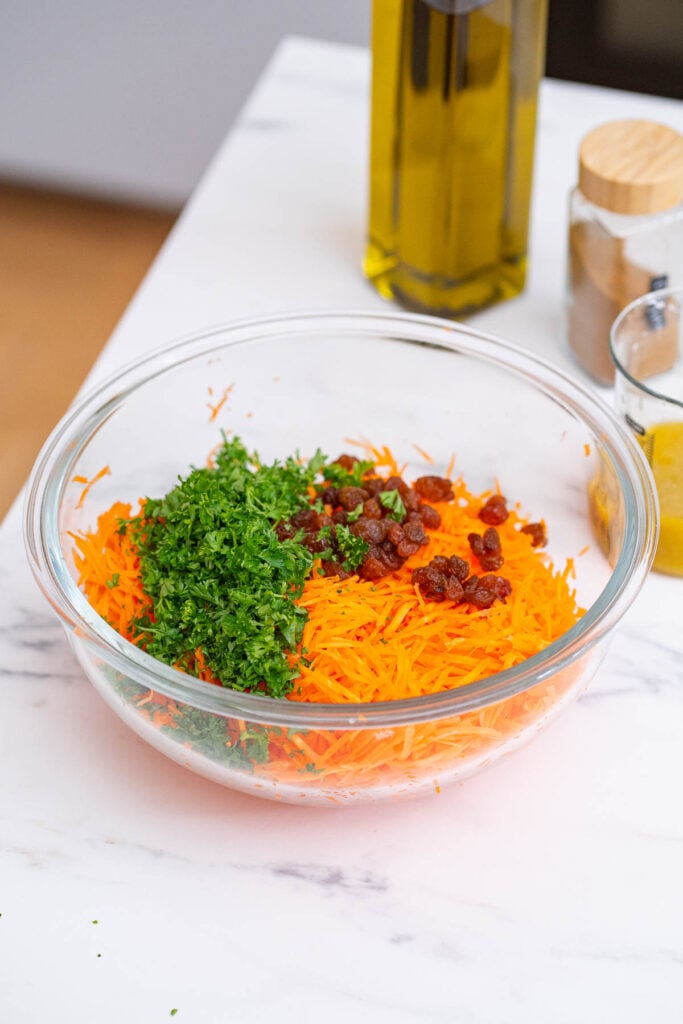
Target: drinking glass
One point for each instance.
(646, 344)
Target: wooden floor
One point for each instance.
(68, 268)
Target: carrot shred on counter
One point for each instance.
(381, 641)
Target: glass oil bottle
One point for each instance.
(453, 116)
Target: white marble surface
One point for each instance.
(548, 889)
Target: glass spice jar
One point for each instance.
(625, 231)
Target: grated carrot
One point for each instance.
(380, 641)
(214, 409)
(105, 471)
(425, 455)
(109, 570)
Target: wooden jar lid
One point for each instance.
(632, 167)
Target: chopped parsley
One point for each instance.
(352, 549)
(339, 477)
(224, 557)
(218, 576)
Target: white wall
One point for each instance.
(130, 98)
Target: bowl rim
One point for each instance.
(51, 472)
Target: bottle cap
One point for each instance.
(632, 167)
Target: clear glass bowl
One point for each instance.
(314, 380)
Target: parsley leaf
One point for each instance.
(392, 500)
(352, 548)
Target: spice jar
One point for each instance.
(454, 97)
(625, 233)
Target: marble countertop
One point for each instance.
(547, 889)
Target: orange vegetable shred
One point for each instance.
(215, 408)
(367, 642)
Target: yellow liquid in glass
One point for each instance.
(663, 445)
(451, 152)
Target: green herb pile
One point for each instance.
(219, 577)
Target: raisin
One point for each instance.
(284, 530)
(374, 486)
(443, 578)
(487, 548)
(395, 533)
(414, 530)
(390, 557)
(477, 592)
(482, 591)
(373, 531)
(340, 516)
(406, 548)
(346, 462)
(494, 511)
(431, 583)
(349, 497)
(537, 533)
(315, 543)
(454, 589)
(458, 567)
(306, 518)
(411, 501)
(329, 496)
(372, 509)
(434, 488)
(501, 587)
(429, 516)
(491, 562)
(476, 543)
(396, 483)
(372, 568)
(491, 539)
(333, 568)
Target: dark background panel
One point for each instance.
(622, 44)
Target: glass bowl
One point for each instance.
(299, 382)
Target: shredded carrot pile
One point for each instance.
(109, 570)
(344, 761)
(381, 641)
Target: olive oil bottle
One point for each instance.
(454, 91)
